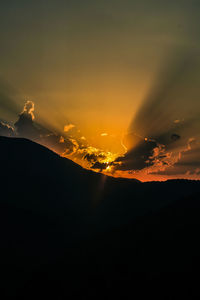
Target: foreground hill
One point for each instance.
(66, 231)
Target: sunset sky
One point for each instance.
(124, 76)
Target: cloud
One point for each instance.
(25, 125)
(188, 163)
(92, 157)
(29, 109)
(177, 121)
(175, 137)
(62, 140)
(176, 154)
(139, 157)
(99, 166)
(68, 127)
(6, 130)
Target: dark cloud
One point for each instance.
(175, 137)
(99, 166)
(138, 157)
(6, 130)
(94, 157)
(25, 126)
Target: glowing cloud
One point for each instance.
(62, 140)
(68, 127)
(29, 108)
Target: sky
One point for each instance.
(119, 79)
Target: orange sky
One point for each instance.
(96, 65)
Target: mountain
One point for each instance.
(68, 232)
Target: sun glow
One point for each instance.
(108, 168)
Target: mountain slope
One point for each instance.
(69, 229)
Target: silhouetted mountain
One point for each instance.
(68, 232)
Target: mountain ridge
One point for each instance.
(66, 230)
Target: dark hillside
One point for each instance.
(66, 230)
